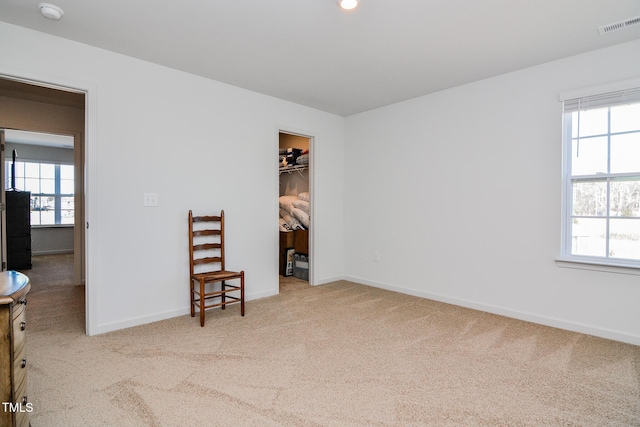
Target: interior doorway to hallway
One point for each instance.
(44, 109)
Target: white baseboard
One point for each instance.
(258, 295)
(110, 327)
(515, 314)
(502, 311)
(143, 320)
(329, 280)
(56, 252)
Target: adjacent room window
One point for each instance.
(601, 173)
(52, 190)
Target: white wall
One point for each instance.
(51, 240)
(200, 145)
(468, 207)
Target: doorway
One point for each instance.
(41, 167)
(30, 107)
(294, 222)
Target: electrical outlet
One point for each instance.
(376, 256)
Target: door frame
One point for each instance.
(85, 156)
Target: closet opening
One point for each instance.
(294, 163)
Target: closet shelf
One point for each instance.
(291, 169)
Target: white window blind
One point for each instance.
(609, 99)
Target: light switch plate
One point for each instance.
(150, 199)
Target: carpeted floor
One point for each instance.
(50, 271)
(340, 354)
(55, 304)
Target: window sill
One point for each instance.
(53, 226)
(596, 265)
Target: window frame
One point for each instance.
(566, 258)
(58, 196)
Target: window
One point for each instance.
(601, 174)
(52, 188)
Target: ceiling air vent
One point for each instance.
(621, 25)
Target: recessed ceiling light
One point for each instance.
(348, 4)
(51, 11)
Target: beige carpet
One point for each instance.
(340, 354)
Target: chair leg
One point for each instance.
(193, 299)
(242, 293)
(202, 302)
(222, 295)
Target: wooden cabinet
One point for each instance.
(301, 241)
(14, 287)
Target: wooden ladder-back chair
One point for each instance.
(207, 266)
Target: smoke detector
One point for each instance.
(50, 11)
(620, 25)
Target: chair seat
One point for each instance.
(216, 275)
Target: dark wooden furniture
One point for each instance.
(301, 241)
(14, 287)
(286, 242)
(18, 229)
(207, 266)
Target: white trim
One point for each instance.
(503, 311)
(312, 136)
(90, 90)
(143, 320)
(565, 203)
(53, 226)
(604, 88)
(137, 321)
(90, 243)
(330, 280)
(56, 252)
(598, 265)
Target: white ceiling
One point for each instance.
(313, 53)
(37, 138)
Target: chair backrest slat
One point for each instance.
(206, 246)
(209, 238)
(207, 260)
(207, 218)
(206, 232)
